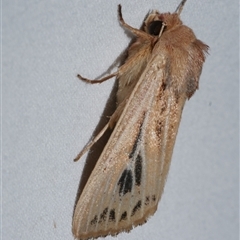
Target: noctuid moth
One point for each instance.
(161, 72)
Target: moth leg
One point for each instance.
(135, 31)
(111, 123)
(91, 143)
(98, 80)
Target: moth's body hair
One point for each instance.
(160, 73)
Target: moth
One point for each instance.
(160, 73)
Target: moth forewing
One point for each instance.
(162, 70)
(123, 188)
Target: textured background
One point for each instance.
(48, 116)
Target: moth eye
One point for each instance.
(155, 27)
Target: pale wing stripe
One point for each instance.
(144, 167)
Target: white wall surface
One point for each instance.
(48, 115)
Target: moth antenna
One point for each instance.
(180, 7)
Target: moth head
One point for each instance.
(155, 21)
(152, 25)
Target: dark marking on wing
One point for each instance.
(159, 127)
(94, 221)
(177, 96)
(163, 108)
(147, 200)
(138, 170)
(125, 182)
(112, 215)
(137, 207)
(163, 86)
(123, 216)
(163, 104)
(103, 215)
(154, 198)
